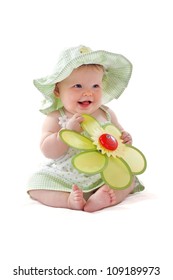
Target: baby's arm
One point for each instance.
(51, 144)
(125, 136)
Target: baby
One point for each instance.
(83, 81)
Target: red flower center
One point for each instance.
(108, 141)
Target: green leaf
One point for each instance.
(76, 140)
(135, 159)
(90, 124)
(114, 131)
(117, 174)
(90, 162)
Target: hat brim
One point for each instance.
(118, 71)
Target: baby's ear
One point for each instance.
(56, 91)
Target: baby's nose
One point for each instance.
(87, 93)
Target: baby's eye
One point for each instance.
(96, 86)
(78, 86)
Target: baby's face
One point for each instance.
(81, 92)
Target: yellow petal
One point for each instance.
(114, 131)
(89, 162)
(90, 124)
(135, 159)
(117, 174)
(76, 140)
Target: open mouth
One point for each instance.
(85, 103)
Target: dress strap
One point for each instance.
(61, 111)
(108, 116)
(62, 119)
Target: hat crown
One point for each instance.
(70, 54)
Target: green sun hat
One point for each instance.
(117, 73)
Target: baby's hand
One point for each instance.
(74, 122)
(126, 137)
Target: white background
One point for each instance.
(32, 36)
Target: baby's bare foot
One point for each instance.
(76, 200)
(102, 198)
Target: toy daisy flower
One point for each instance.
(103, 152)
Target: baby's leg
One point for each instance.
(73, 200)
(105, 197)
